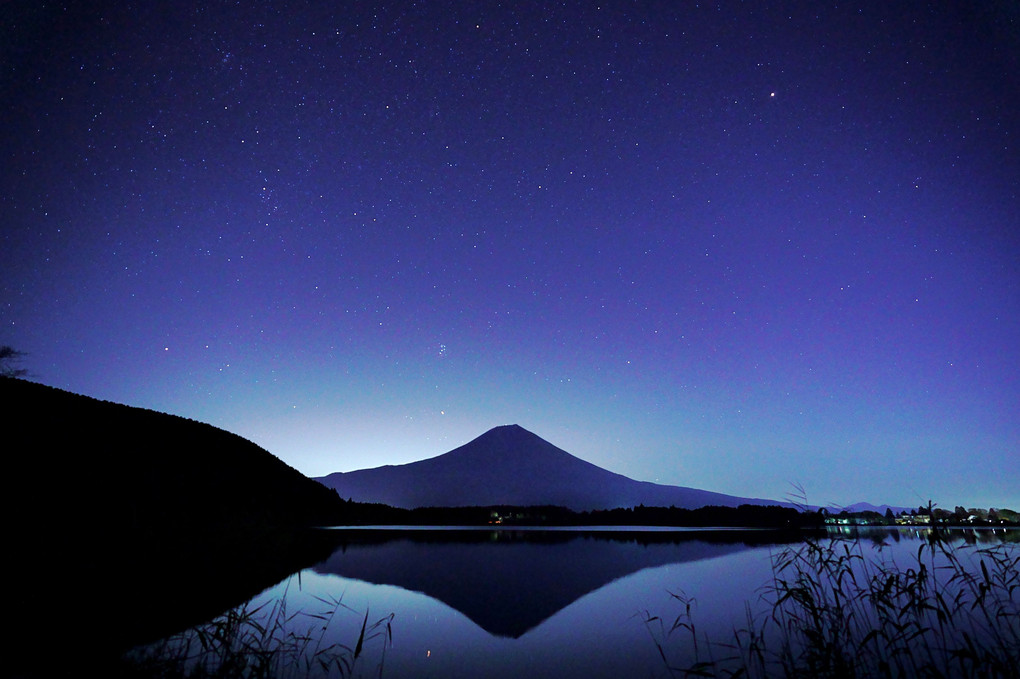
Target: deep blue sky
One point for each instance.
(706, 244)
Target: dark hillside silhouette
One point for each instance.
(132, 469)
(141, 521)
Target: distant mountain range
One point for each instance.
(868, 507)
(509, 465)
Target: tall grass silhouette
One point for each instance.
(832, 611)
(263, 642)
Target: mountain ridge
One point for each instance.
(140, 516)
(509, 465)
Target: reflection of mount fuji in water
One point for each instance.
(509, 582)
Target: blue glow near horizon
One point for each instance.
(366, 237)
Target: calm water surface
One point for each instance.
(516, 603)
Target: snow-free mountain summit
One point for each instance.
(509, 465)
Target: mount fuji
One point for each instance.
(509, 465)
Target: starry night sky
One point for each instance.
(708, 244)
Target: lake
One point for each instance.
(555, 603)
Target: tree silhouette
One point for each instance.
(9, 356)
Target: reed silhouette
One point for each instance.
(833, 611)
